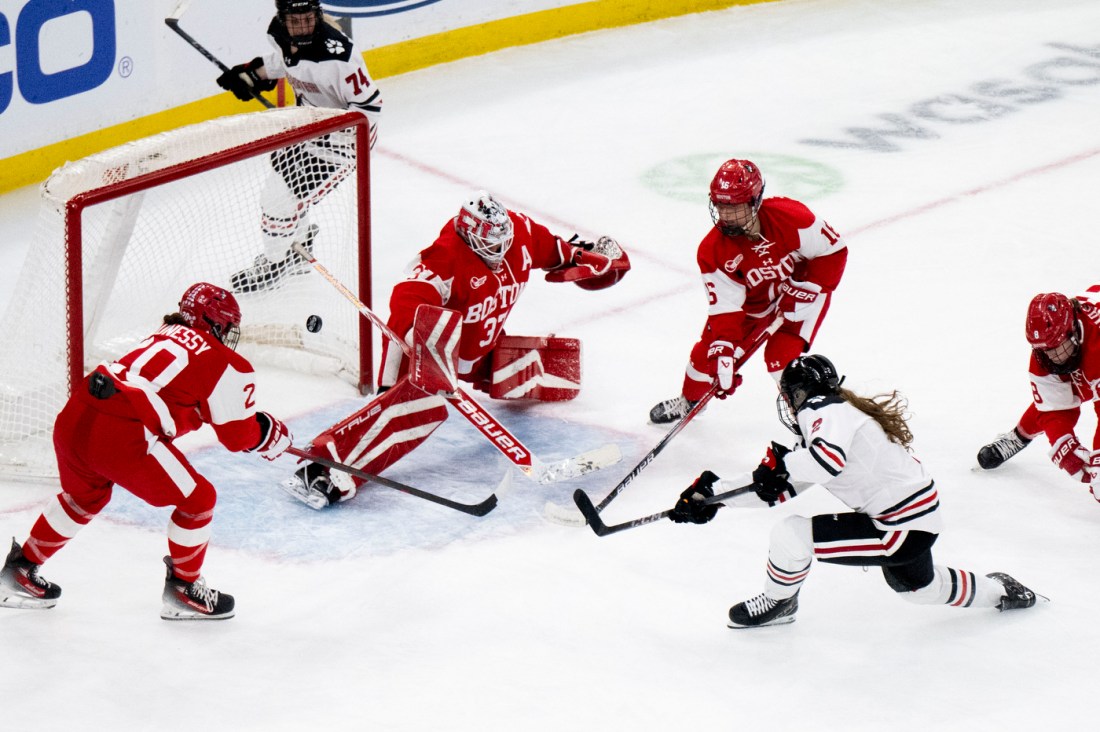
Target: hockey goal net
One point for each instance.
(124, 232)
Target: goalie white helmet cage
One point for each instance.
(484, 224)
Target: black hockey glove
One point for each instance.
(690, 508)
(242, 79)
(771, 478)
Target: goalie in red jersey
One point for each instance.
(118, 428)
(476, 269)
(763, 256)
(1064, 334)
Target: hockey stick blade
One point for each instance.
(588, 510)
(475, 509)
(586, 462)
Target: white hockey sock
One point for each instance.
(957, 588)
(789, 557)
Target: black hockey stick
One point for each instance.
(476, 509)
(592, 514)
(173, 22)
(758, 340)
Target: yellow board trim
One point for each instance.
(35, 165)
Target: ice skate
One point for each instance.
(312, 485)
(1004, 447)
(265, 274)
(193, 600)
(670, 410)
(1016, 596)
(762, 610)
(20, 585)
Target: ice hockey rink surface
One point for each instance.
(955, 145)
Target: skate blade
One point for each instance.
(18, 601)
(786, 620)
(295, 487)
(170, 612)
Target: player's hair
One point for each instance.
(889, 410)
(175, 319)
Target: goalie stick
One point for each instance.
(475, 509)
(592, 514)
(563, 515)
(486, 424)
(173, 22)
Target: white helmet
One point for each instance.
(484, 224)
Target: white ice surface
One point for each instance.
(389, 613)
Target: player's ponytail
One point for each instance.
(889, 410)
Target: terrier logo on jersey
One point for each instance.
(476, 282)
(731, 265)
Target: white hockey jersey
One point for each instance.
(848, 453)
(327, 73)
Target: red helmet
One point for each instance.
(1050, 320)
(214, 310)
(737, 181)
(1054, 332)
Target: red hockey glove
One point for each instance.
(690, 508)
(796, 299)
(275, 437)
(724, 354)
(1068, 454)
(591, 266)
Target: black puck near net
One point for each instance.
(313, 323)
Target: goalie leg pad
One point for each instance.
(543, 369)
(388, 428)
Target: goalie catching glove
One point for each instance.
(590, 266)
(242, 80)
(275, 437)
(690, 508)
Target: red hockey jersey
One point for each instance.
(178, 379)
(1059, 397)
(742, 274)
(449, 274)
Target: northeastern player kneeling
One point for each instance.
(857, 448)
(476, 270)
(118, 428)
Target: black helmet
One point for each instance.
(805, 377)
(284, 8)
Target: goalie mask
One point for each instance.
(300, 20)
(804, 378)
(484, 224)
(1054, 332)
(209, 308)
(736, 192)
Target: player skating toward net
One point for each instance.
(118, 428)
(324, 70)
(857, 448)
(476, 268)
(763, 255)
(1064, 334)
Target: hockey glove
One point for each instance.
(724, 354)
(242, 79)
(591, 266)
(275, 437)
(771, 479)
(690, 508)
(796, 299)
(1068, 454)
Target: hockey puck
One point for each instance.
(313, 323)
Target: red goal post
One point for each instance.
(123, 232)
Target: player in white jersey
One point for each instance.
(324, 70)
(857, 448)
